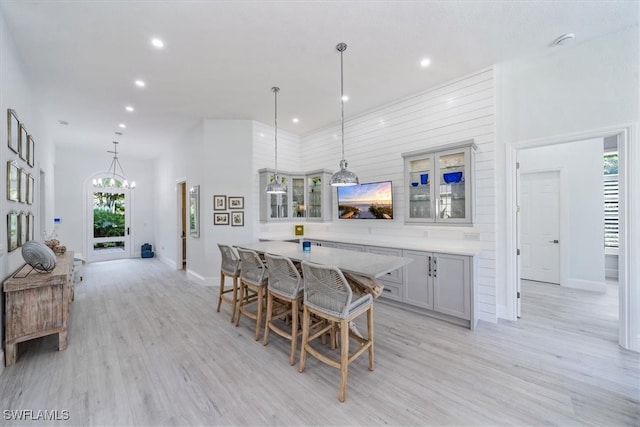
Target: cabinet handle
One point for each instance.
(386, 290)
(429, 262)
(435, 267)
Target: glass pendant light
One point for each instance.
(343, 177)
(276, 186)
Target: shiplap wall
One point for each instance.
(460, 110)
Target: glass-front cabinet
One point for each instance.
(319, 196)
(438, 184)
(308, 196)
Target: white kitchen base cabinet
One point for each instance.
(442, 284)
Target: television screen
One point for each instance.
(366, 201)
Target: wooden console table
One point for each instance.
(37, 305)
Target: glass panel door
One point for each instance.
(314, 183)
(297, 198)
(452, 200)
(420, 188)
(279, 203)
(110, 224)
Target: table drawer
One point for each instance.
(391, 291)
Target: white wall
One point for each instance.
(73, 172)
(579, 89)
(581, 206)
(16, 93)
(460, 110)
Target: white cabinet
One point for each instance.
(350, 247)
(308, 196)
(439, 184)
(393, 280)
(440, 282)
(318, 195)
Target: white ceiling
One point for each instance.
(222, 57)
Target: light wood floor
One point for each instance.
(146, 347)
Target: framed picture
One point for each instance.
(22, 228)
(13, 131)
(237, 219)
(31, 151)
(219, 203)
(24, 183)
(31, 224)
(194, 211)
(13, 182)
(12, 230)
(221, 218)
(236, 202)
(24, 136)
(31, 186)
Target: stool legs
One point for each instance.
(234, 298)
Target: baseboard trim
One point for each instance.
(587, 285)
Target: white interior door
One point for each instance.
(540, 226)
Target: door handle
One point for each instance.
(127, 231)
(554, 241)
(435, 266)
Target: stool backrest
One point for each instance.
(326, 289)
(252, 269)
(284, 277)
(230, 264)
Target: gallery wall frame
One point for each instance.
(13, 131)
(13, 181)
(221, 218)
(31, 151)
(219, 203)
(24, 136)
(237, 219)
(12, 231)
(236, 202)
(23, 184)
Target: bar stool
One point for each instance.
(328, 296)
(229, 267)
(253, 284)
(286, 287)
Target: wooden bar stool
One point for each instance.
(253, 286)
(229, 267)
(285, 287)
(327, 295)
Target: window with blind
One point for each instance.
(611, 221)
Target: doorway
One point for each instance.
(625, 332)
(110, 229)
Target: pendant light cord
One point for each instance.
(342, 49)
(275, 90)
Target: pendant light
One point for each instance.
(276, 186)
(114, 181)
(343, 177)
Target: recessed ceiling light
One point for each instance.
(345, 98)
(129, 108)
(295, 120)
(425, 62)
(261, 135)
(63, 122)
(563, 39)
(157, 43)
(122, 125)
(140, 83)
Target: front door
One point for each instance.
(110, 228)
(540, 226)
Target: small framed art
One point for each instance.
(13, 131)
(12, 231)
(219, 203)
(194, 211)
(237, 219)
(24, 136)
(31, 188)
(31, 151)
(221, 218)
(13, 182)
(24, 183)
(236, 202)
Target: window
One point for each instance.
(611, 202)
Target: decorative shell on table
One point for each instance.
(38, 256)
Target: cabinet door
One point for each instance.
(418, 284)
(453, 183)
(297, 198)
(315, 192)
(350, 247)
(419, 174)
(451, 285)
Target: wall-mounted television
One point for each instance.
(373, 200)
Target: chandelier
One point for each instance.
(115, 179)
